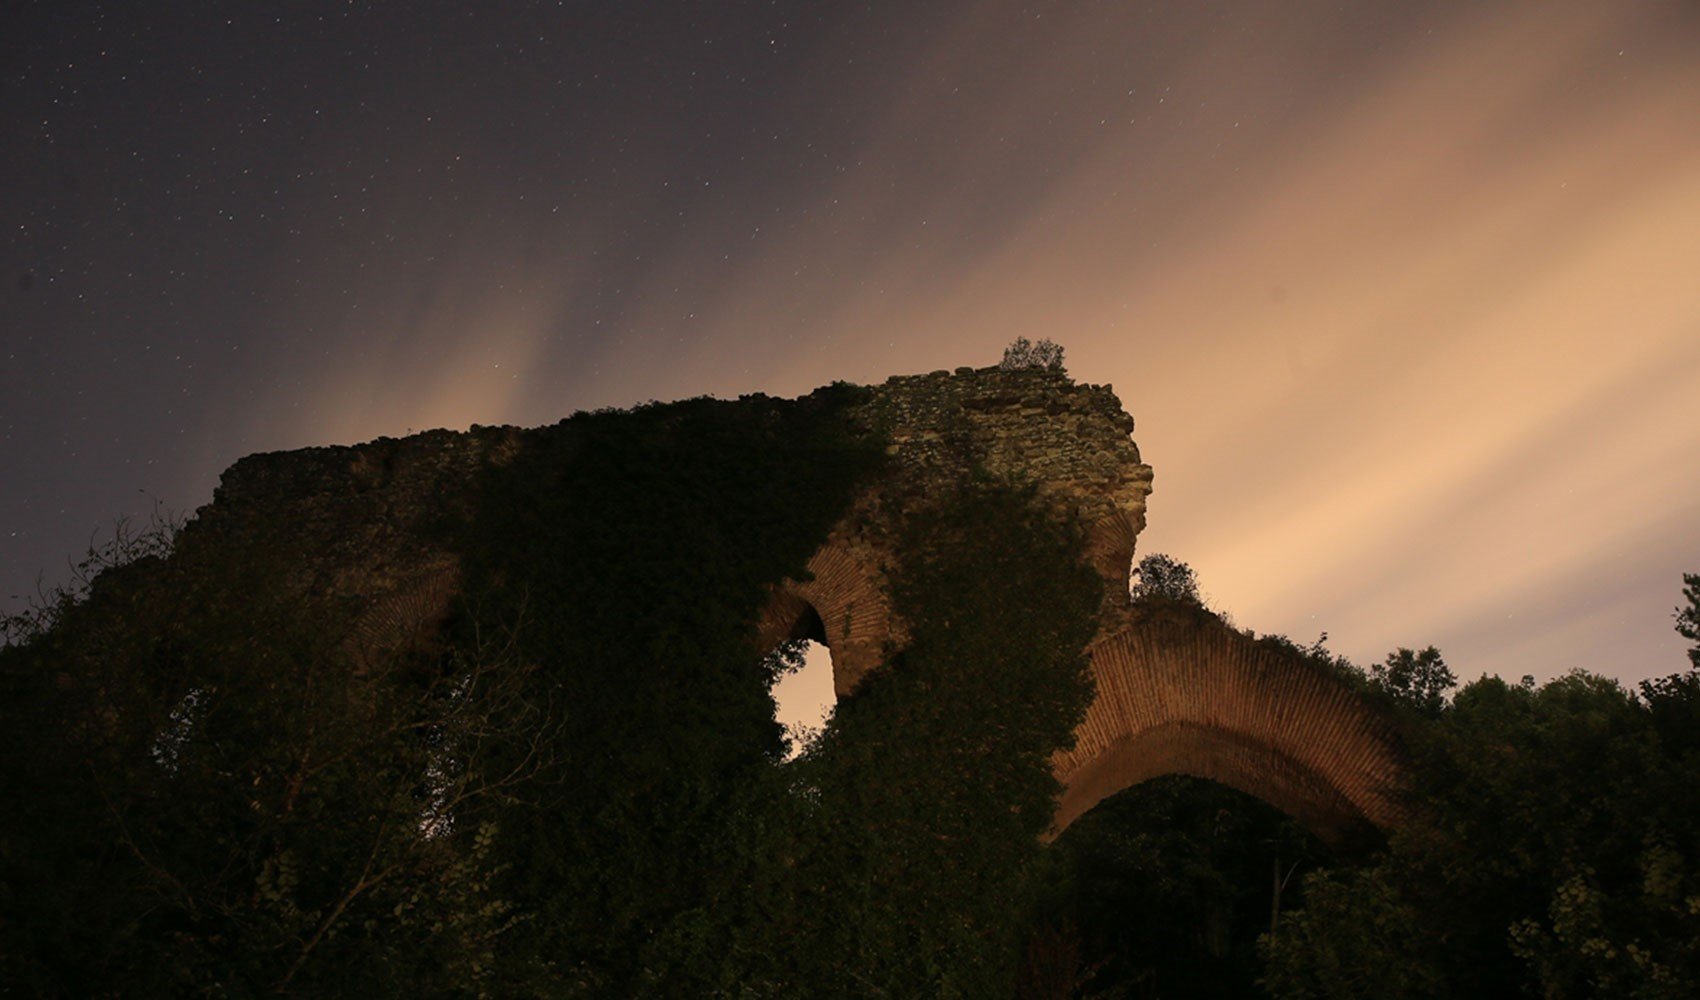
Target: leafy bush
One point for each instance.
(1552, 850)
(1165, 577)
(1024, 353)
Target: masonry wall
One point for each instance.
(362, 525)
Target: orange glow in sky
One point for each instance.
(1403, 297)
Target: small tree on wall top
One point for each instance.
(1163, 576)
(1024, 353)
(1688, 619)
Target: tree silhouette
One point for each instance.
(1163, 576)
(1688, 619)
(1026, 354)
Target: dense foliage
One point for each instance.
(1556, 853)
(204, 796)
(680, 857)
(584, 792)
(1553, 851)
(628, 553)
(922, 805)
(1163, 891)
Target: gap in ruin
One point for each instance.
(803, 699)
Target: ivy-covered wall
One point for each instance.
(371, 518)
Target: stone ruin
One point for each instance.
(1177, 692)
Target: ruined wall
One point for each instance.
(1194, 697)
(363, 516)
(1034, 426)
(359, 524)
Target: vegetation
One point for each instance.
(1163, 891)
(1023, 353)
(924, 801)
(1554, 851)
(206, 797)
(1163, 577)
(628, 553)
(1688, 618)
(581, 791)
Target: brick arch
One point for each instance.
(843, 606)
(1181, 693)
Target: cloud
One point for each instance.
(1401, 299)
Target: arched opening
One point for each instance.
(1163, 888)
(842, 604)
(1230, 759)
(1179, 692)
(803, 697)
(801, 673)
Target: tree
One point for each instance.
(1417, 679)
(1674, 700)
(214, 797)
(1026, 354)
(1163, 576)
(1551, 853)
(1688, 619)
(1163, 888)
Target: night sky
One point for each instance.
(1405, 297)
